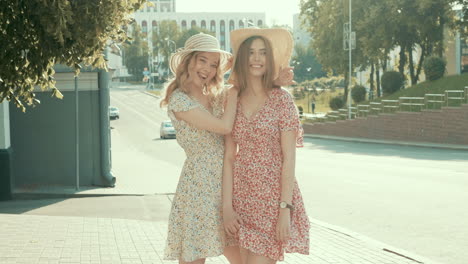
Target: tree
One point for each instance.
(35, 35)
(136, 53)
(167, 31)
(325, 19)
(185, 34)
(305, 64)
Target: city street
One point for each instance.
(408, 197)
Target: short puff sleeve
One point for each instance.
(289, 117)
(180, 102)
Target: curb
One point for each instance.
(376, 244)
(390, 142)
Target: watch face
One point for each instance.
(283, 205)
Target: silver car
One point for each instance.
(114, 112)
(167, 130)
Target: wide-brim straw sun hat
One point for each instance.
(203, 43)
(281, 41)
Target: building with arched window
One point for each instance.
(219, 23)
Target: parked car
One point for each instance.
(114, 112)
(167, 130)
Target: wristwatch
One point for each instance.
(284, 204)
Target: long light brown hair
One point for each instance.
(182, 76)
(241, 68)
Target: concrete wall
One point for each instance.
(446, 126)
(43, 138)
(6, 173)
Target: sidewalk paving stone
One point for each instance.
(65, 239)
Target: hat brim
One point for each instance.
(178, 57)
(281, 41)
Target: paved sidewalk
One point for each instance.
(64, 239)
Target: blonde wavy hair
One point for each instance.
(182, 76)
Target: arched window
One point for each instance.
(154, 25)
(203, 24)
(144, 26)
(260, 23)
(231, 25)
(222, 29)
(213, 26)
(193, 24)
(241, 24)
(184, 25)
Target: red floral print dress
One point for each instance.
(257, 175)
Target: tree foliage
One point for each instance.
(382, 26)
(136, 53)
(358, 93)
(37, 34)
(167, 31)
(392, 81)
(434, 68)
(305, 64)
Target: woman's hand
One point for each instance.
(285, 77)
(232, 221)
(283, 227)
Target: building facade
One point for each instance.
(149, 16)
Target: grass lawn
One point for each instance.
(453, 82)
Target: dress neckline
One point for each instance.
(254, 116)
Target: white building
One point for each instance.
(301, 36)
(148, 17)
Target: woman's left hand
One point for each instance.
(283, 227)
(285, 77)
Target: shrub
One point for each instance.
(392, 81)
(434, 68)
(358, 93)
(336, 103)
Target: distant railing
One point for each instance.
(457, 96)
(408, 104)
(434, 100)
(411, 103)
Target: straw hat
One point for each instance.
(204, 43)
(281, 42)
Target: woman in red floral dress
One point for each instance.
(262, 204)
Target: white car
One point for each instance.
(167, 130)
(114, 112)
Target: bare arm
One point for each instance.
(288, 148)
(232, 221)
(206, 121)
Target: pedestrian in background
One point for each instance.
(262, 204)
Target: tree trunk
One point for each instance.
(440, 47)
(371, 79)
(421, 61)
(377, 78)
(411, 66)
(402, 63)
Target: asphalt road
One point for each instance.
(412, 198)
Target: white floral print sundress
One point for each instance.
(195, 227)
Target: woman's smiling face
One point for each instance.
(204, 68)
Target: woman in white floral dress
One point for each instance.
(202, 111)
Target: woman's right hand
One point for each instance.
(232, 221)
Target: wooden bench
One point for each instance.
(412, 103)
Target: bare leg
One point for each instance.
(251, 258)
(198, 261)
(233, 254)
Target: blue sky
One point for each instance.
(277, 11)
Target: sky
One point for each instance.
(276, 11)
